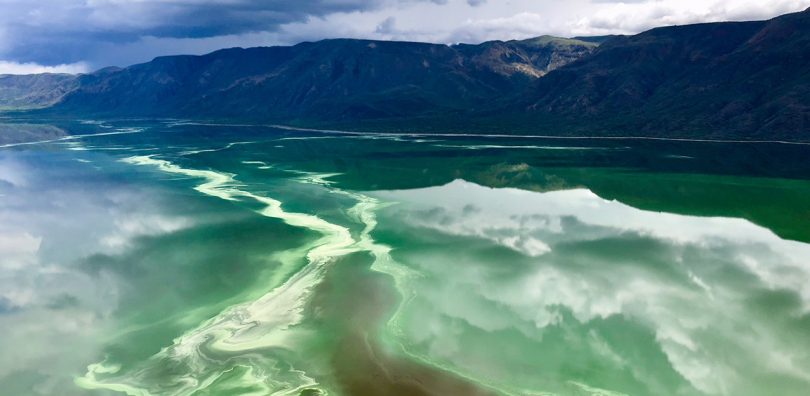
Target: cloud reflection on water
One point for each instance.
(723, 301)
(54, 213)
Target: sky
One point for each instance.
(76, 36)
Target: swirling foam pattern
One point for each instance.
(223, 352)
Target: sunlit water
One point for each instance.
(174, 258)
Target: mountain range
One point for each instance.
(730, 80)
(34, 90)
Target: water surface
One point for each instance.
(177, 258)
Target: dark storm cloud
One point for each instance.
(65, 31)
(81, 35)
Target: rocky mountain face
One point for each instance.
(35, 90)
(749, 79)
(326, 80)
(533, 57)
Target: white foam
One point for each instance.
(267, 322)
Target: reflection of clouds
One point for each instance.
(18, 249)
(54, 212)
(11, 174)
(131, 226)
(520, 233)
(694, 282)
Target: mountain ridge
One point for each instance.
(738, 80)
(751, 79)
(335, 78)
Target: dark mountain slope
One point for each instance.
(167, 84)
(749, 80)
(326, 80)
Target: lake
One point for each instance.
(171, 257)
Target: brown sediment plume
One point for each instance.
(361, 301)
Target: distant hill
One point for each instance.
(34, 91)
(749, 79)
(736, 80)
(11, 134)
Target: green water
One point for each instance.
(174, 258)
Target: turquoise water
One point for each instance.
(176, 258)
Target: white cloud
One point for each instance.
(630, 18)
(104, 33)
(7, 67)
(518, 19)
(518, 26)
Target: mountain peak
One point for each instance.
(547, 40)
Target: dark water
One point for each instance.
(173, 258)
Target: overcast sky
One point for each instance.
(83, 35)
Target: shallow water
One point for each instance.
(174, 258)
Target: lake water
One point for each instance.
(175, 258)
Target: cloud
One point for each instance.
(116, 32)
(65, 31)
(7, 67)
(614, 17)
(518, 26)
(387, 26)
(634, 17)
